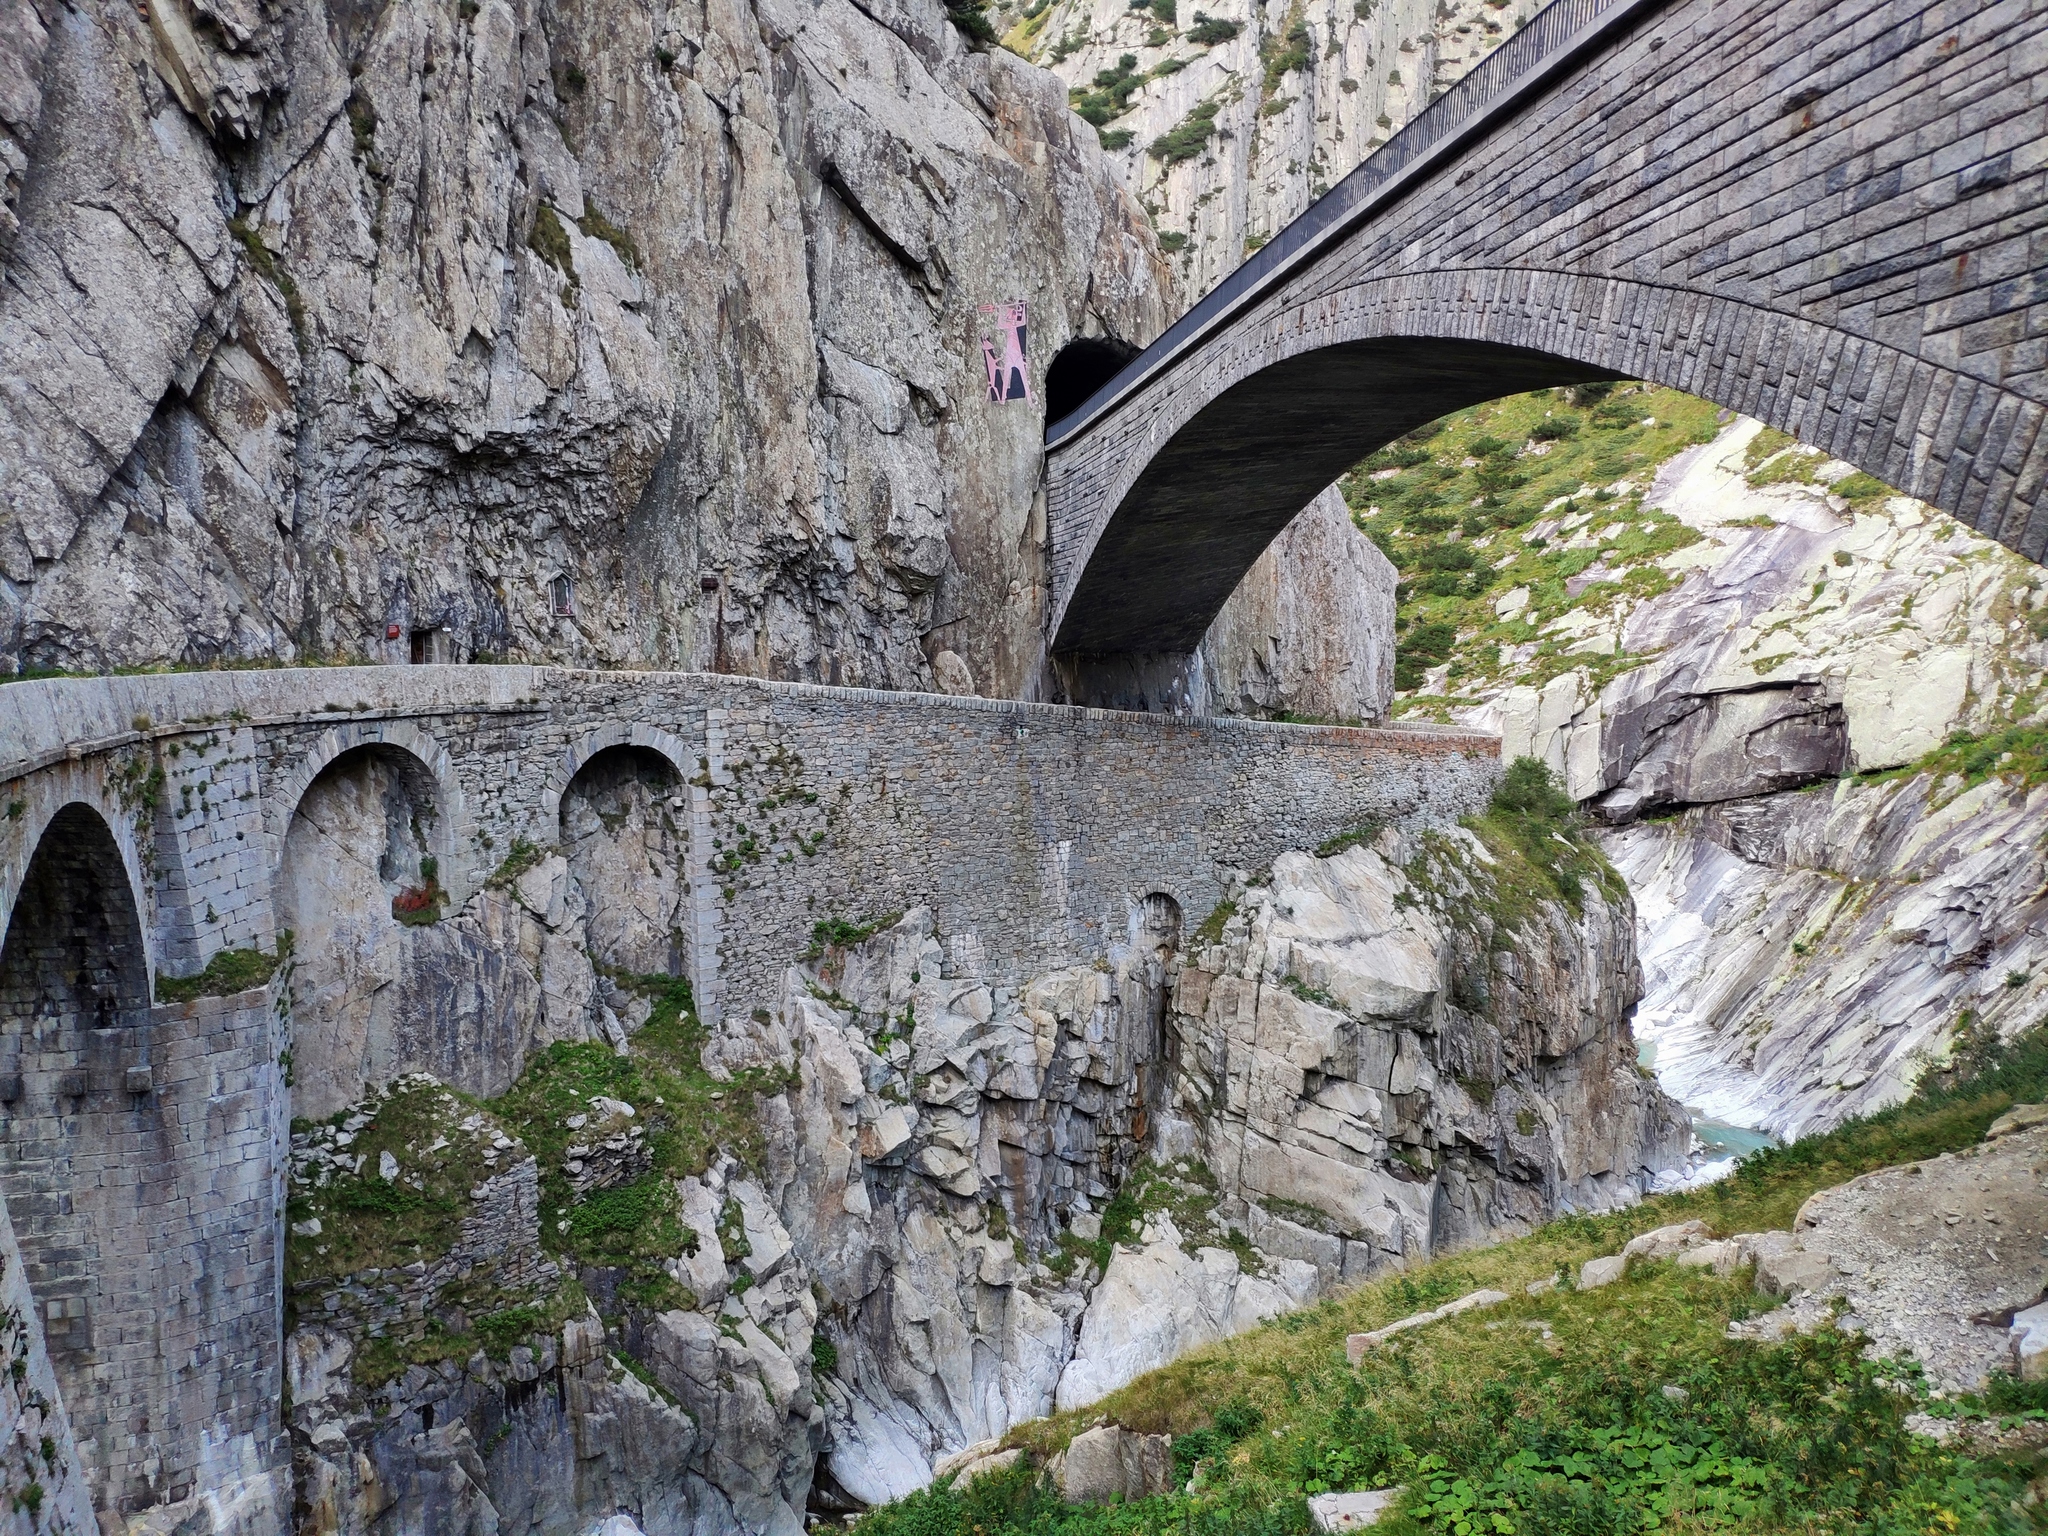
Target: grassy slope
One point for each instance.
(1449, 503)
(1569, 1433)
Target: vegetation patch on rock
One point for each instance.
(229, 971)
(1621, 1409)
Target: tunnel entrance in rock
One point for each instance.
(623, 831)
(359, 870)
(1082, 367)
(75, 1165)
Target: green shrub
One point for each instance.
(971, 18)
(1187, 140)
(1111, 95)
(1553, 429)
(1291, 50)
(1210, 30)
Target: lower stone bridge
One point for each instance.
(462, 856)
(1829, 214)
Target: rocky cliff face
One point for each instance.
(540, 332)
(965, 1204)
(1807, 956)
(349, 331)
(1229, 119)
(1799, 636)
(1721, 639)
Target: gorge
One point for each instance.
(576, 955)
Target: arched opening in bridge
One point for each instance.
(623, 831)
(360, 883)
(1082, 367)
(75, 1139)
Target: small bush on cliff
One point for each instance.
(1186, 139)
(1534, 831)
(1111, 95)
(971, 17)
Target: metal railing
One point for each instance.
(1552, 38)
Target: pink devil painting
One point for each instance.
(1003, 354)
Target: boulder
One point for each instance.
(1723, 1258)
(1357, 1344)
(1352, 1511)
(1666, 1242)
(2021, 1117)
(2030, 1343)
(1595, 1273)
(1109, 1463)
(1792, 1270)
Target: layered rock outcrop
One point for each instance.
(974, 1202)
(1808, 956)
(1389, 1062)
(1813, 937)
(1800, 638)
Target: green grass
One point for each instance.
(1433, 508)
(688, 1117)
(630, 1230)
(2018, 753)
(1494, 1428)
(367, 1223)
(228, 972)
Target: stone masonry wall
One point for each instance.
(1034, 832)
(1818, 214)
(1026, 823)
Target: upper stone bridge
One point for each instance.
(1828, 214)
(152, 824)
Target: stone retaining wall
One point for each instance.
(1035, 833)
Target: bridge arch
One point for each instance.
(585, 747)
(81, 1138)
(369, 840)
(624, 830)
(1815, 217)
(451, 824)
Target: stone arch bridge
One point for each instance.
(150, 825)
(1829, 214)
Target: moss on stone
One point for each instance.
(228, 972)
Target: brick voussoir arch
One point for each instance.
(1934, 432)
(584, 748)
(1827, 214)
(46, 795)
(451, 833)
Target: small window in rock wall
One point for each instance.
(562, 596)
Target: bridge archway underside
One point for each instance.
(1833, 217)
